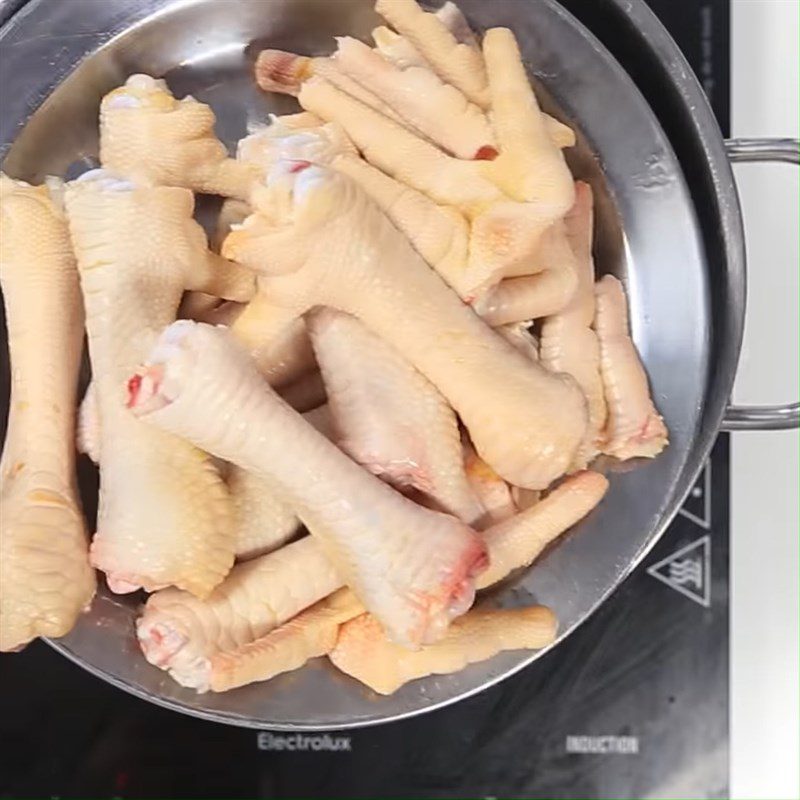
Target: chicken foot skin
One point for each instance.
(634, 428)
(45, 577)
(150, 137)
(311, 634)
(509, 202)
(262, 522)
(179, 633)
(164, 513)
(363, 651)
(388, 417)
(412, 567)
(318, 240)
(568, 343)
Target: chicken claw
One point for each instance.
(509, 202)
(284, 73)
(397, 49)
(533, 296)
(149, 136)
(413, 568)
(634, 428)
(164, 515)
(388, 417)
(517, 542)
(530, 167)
(363, 651)
(45, 577)
(455, 21)
(309, 635)
(317, 239)
(455, 62)
(568, 343)
(435, 109)
(179, 633)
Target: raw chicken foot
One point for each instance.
(45, 577)
(149, 136)
(509, 202)
(179, 633)
(164, 515)
(413, 568)
(634, 427)
(363, 651)
(319, 240)
(388, 417)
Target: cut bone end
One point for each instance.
(282, 72)
(458, 595)
(486, 153)
(105, 180)
(165, 647)
(140, 91)
(648, 442)
(157, 383)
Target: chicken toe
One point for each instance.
(634, 427)
(148, 135)
(311, 634)
(364, 652)
(412, 567)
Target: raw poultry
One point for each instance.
(45, 577)
(164, 514)
(511, 545)
(386, 249)
(317, 239)
(568, 342)
(388, 417)
(412, 567)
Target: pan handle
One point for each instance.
(777, 417)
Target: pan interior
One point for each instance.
(646, 233)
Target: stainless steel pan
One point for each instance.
(56, 61)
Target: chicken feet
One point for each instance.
(317, 239)
(45, 577)
(164, 515)
(413, 568)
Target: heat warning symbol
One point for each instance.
(688, 571)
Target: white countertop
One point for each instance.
(765, 669)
